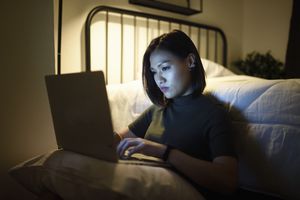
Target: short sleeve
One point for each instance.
(221, 135)
(141, 124)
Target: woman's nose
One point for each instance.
(160, 79)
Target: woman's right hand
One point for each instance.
(119, 136)
(140, 145)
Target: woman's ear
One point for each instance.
(191, 61)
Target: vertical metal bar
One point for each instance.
(201, 5)
(158, 27)
(199, 39)
(207, 44)
(169, 26)
(106, 47)
(179, 26)
(134, 46)
(189, 31)
(224, 49)
(121, 78)
(147, 25)
(59, 31)
(216, 47)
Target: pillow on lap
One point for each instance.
(75, 176)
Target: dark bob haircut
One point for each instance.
(180, 45)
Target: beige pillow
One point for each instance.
(75, 176)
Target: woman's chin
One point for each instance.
(169, 96)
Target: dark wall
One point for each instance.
(26, 55)
(292, 62)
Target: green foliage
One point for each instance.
(261, 65)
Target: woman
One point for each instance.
(183, 127)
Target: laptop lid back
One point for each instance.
(81, 114)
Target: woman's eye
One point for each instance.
(165, 68)
(153, 72)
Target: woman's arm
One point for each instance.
(220, 175)
(125, 133)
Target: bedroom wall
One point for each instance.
(266, 26)
(27, 54)
(216, 12)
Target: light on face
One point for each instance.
(171, 74)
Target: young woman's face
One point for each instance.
(171, 74)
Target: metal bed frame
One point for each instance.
(169, 20)
(211, 33)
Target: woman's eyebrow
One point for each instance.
(163, 62)
(159, 65)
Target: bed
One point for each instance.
(265, 114)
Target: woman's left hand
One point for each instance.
(140, 145)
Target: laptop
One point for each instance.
(82, 120)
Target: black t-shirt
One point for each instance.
(193, 124)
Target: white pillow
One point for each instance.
(75, 176)
(127, 101)
(213, 69)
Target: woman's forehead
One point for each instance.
(159, 57)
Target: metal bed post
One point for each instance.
(59, 31)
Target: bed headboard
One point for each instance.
(115, 40)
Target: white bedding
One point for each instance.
(266, 114)
(260, 100)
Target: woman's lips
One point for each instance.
(164, 89)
